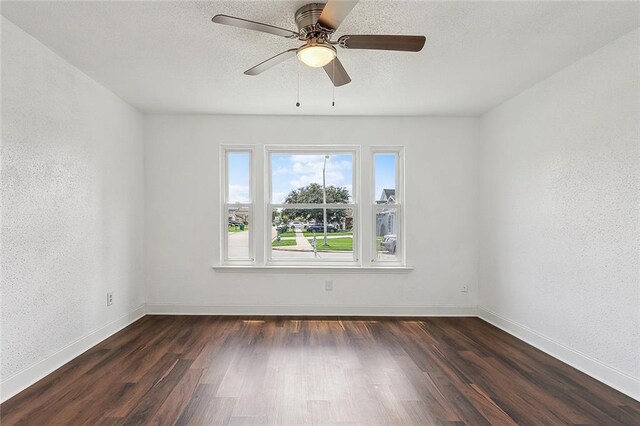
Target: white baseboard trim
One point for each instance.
(583, 362)
(30, 375)
(314, 310)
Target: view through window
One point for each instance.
(311, 212)
(387, 206)
(312, 207)
(238, 206)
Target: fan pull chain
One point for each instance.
(333, 86)
(298, 83)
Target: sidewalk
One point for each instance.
(302, 244)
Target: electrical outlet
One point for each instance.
(465, 289)
(109, 298)
(328, 285)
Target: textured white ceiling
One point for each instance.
(169, 57)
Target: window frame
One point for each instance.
(354, 205)
(225, 150)
(399, 205)
(363, 206)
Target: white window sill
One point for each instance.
(316, 269)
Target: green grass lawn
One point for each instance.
(288, 234)
(339, 244)
(318, 234)
(282, 243)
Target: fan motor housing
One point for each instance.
(306, 19)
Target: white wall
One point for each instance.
(72, 210)
(182, 217)
(560, 207)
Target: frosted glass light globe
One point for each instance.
(316, 55)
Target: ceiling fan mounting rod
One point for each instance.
(307, 21)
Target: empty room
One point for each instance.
(279, 212)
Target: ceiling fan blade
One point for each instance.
(252, 25)
(337, 73)
(265, 65)
(334, 13)
(383, 42)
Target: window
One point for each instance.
(237, 212)
(387, 207)
(309, 210)
(312, 206)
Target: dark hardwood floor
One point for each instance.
(212, 370)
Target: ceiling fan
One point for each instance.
(316, 24)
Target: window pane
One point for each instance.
(239, 175)
(385, 175)
(298, 178)
(298, 234)
(238, 233)
(386, 233)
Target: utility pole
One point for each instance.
(324, 199)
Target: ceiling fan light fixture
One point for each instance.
(317, 22)
(316, 55)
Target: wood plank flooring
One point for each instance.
(219, 370)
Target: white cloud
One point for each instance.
(278, 197)
(335, 178)
(238, 194)
(309, 169)
(300, 170)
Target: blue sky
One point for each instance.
(294, 171)
(385, 167)
(238, 169)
